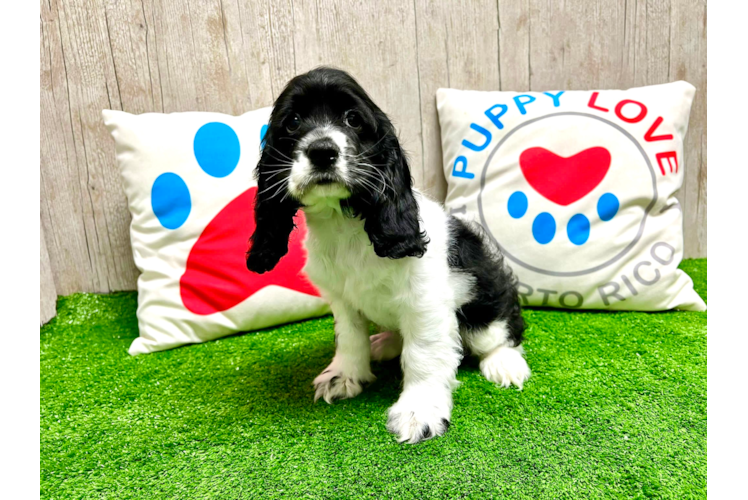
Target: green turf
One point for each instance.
(616, 407)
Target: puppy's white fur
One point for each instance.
(301, 167)
(415, 297)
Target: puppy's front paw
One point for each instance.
(506, 366)
(334, 383)
(417, 417)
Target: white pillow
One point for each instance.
(190, 189)
(577, 188)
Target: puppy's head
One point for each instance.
(327, 143)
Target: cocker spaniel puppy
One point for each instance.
(381, 252)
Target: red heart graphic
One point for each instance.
(564, 180)
(216, 276)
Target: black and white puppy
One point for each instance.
(381, 252)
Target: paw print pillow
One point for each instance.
(577, 188)
(190, 188)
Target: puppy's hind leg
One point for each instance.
(386, 346)
(501, 358)
(350, 369)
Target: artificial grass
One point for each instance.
(616, 407)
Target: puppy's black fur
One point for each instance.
(495, 291)
(390, 214)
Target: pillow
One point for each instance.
(190, 189)
(578, 190)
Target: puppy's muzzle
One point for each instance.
(323, 155)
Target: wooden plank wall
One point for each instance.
(235, 55)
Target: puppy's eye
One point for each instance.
(353, 120)
(293, 123)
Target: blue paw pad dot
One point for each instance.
(517, 204)
(170, 200)
(607, 206)
(217, 149)
(544, 228)
(578, 229)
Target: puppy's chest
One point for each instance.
(342, 263)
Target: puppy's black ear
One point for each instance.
(274, 213)
(391, 217)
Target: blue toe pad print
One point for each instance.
(217, 149)
(517, 204)
(607, 206)
(170, 200)
(578, 227)
(544, 228)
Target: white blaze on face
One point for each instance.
(302, 167)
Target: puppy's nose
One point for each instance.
(323, 153)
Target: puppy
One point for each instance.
(381, 252)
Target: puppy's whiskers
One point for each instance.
(370, 186)
(375, 174)
(276, 172)
(362, 153)
(369, 182)
(271, 148)
(373, 178)
(274, 185)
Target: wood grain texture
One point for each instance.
(97, 256)
(232, 56)
(458, 47)
(514, 44)
(47, 290)
(561, 59)
(688, 62)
